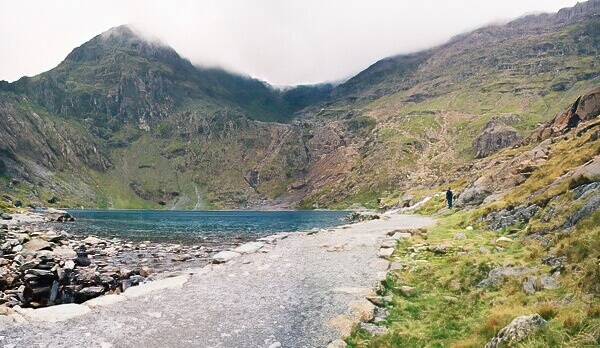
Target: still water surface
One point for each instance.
(198, 226)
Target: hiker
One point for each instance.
(449, 198)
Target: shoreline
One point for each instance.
(43, 266)
(304, 289)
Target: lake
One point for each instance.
(198, 226)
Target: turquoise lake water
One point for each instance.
(198, 226)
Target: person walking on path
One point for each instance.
(449, 197)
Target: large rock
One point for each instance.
(37, 244)
(495, 136)
(588, 208)
(362, 310)
(497, 275)
(249, 248)
(55, 313)
(517, 330)
(59, 215)
(474, 194)
(225, 256)
(585, 108)
(64, 253)
(511, 217)
(89, 293)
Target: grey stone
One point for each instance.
(55, 313)
(37, 244)
(181, 257)
(583, 190)
(373, 329)
(460, 236)
(42, 273)
(92, 240)
(506, 218)
(450, 299)
(225, 256)
(407, 290)
(548, 282)
(473, 195)
(385, 252)
(517, 330)
(529, 286)
(484, 250)
(249, 248)
(588, 208)
(337, 344)
(495, 136)
(497, 275)
(91, 291)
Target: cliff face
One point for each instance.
(127, 122)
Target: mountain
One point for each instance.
(125, 121)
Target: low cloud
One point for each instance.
(281, 41)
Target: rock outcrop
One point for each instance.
(495, 136)
(517, 330)
(585, 108)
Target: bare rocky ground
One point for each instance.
(294, 290)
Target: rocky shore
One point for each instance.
(43, 266)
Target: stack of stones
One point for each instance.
(40, 267)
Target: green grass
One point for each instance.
(427, 319)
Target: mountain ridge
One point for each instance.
(162, 130)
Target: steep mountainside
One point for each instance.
(421, 113)
(127, 122)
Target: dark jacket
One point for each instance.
(449, 195)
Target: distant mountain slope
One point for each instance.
(127, 122)
(424, 111)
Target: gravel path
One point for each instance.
(286, 293)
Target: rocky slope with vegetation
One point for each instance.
(125, 121)
(517, 263)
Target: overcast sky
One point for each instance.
(281, 42)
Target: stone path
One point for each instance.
(288, 293)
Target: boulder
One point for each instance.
(474, 194)
(59, 215)
(337, 344)
(497, 275)
(54, 313)
(89, 293)
(588, 208)
(385, 252)
(91, 240)
(181, 257)
(145, 271)
(530, 286)
(225, 256)
(64, 253)
(548, 282)
(407, 290)
(495, 136)
(517, 330)
(585, 108)
(362, 309)
(511, 217)
(249, 248)
(373, 329)
(37, 244)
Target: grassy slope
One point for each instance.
(419, 145)
(474, 315)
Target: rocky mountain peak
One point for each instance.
(122, 38)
